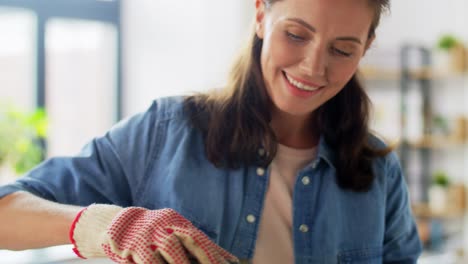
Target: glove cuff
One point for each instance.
(89, 229)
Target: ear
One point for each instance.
(259, 18)
(369, 44)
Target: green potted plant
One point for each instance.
(20, 137)
(441, 179)
(447, 42)
(451, 55)
(438, 192)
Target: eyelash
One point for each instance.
(294, 37)
(297, 38)
(341, 53)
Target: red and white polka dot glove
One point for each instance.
(139, 235)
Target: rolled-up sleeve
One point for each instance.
(108, 169)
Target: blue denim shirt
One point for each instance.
(157, 160)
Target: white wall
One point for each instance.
(423, 21)
(175, 47)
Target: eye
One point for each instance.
(294, 37)
(341, 52)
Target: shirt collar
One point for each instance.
(325, 152)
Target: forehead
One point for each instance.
(338, 16)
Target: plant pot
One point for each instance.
(442, 61)
(438, 197)
(458, 59)
(453, 60)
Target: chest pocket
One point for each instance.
(361, 256)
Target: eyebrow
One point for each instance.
(353, 39)
(311, 28)
(302, 22)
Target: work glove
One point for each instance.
(139, 235)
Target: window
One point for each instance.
(63, 56)
(80, 74)
(17, 55)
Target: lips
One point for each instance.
(300, 89)
(302, 85)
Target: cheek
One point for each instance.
(278, 54)
(283, 56)
(341, 73)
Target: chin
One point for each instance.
(295, 110)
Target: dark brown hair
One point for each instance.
(235, 120)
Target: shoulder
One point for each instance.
(387, 166)
(376, 142)
(161, 109)
(166, 108)
(379, 144)
(166, 113)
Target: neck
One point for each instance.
(294, 131)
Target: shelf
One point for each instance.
(423, 211)
(373, 73)
(370, 73)
(430, 142)
(437, 142)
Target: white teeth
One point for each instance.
(301, 85)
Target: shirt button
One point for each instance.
(261, 151)
(305, 180)
(251, 218)
(260, 171)
(304, 228)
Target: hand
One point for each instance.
(138, 235)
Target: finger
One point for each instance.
(146, 254)
(114, 256)
(226, 255)
(217, 250)
(156, 256)
(134, 256)
(171, 249)
(194, 248)
(199, 245)
(221, 251)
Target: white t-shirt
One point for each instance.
(275, 242)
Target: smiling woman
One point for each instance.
(296, 75)
(322, 54)
(279, 166)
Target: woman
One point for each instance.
(278, 167)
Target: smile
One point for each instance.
(300, 85)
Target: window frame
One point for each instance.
(95, 10)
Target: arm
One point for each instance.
(109, 169)
(98, 174)
(28, 221)
(32, 222)
(401, 242)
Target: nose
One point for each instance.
(315, 62)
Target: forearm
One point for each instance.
(28, 222)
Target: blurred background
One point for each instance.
(70, 69)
